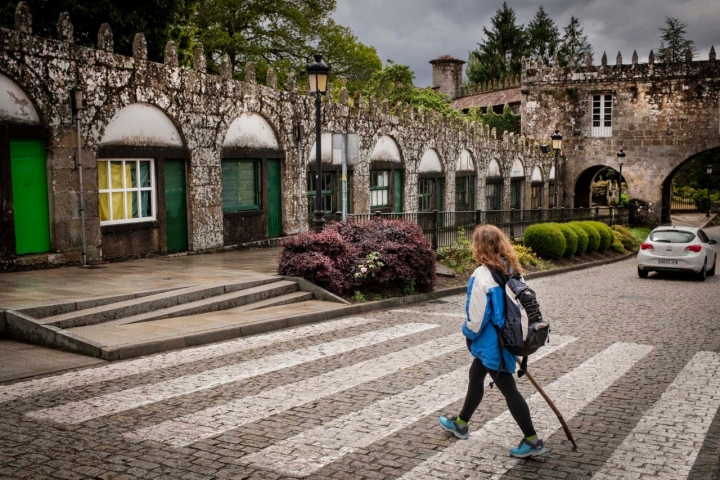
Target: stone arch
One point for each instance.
(465, 162)
(326, 150)
(667, 207)
(517, 184)
(430, 162)
(141, 125)
(494, 183)
(386, 150)
(493, 169)
(252, 131)
(583, 185)
(537, 175)
(15, 105)
(387, 179)
(465, 191)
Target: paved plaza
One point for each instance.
(634, 365)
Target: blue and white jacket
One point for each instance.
(486, 303)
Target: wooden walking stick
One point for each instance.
(553, 407)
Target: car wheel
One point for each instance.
(642, 273)
(711, 272)
(702, 274)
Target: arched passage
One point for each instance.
(597, 186)
(689, 187)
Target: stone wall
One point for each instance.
(202, 107)
(662, 115)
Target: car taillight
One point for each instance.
(693, 248)
(646, 246)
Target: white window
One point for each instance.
(380, 188)
(126, 191)
(601, 116)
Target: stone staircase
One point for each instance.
(125, 326)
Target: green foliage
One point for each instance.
(527, 257)
(458, 257)
(693, 175)
(546, 240)
(606, 235)
(624, 200)
(593, 236)
(571, 239)
(500, 54)
(543, 37)
(395, 84)
(673, 41)
(359, 297)
(409, 288)
(370, 267)
(617, 245)
(505, 122)
(640, 233)
(582, 237)
(625, 237)
(159, 20)
(574, 45)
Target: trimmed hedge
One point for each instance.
(582, 235)
(628, 242)
(571, 239)
(332, 259)
(546, 240)
(606, 235)
(593, 236)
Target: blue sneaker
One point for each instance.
(529, 449)
(448, 423)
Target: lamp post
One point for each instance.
(317, 76)
(557, 146)
(709, 170)
(621, 162)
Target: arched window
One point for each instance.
(465, 176)
(517, 184)
(493, 186)
(536, 191)
(386, 176)
(430, 183)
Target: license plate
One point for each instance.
(668, 262)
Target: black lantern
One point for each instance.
(317, 85)
(556, 140)
(557, 146)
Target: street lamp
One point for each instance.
(557, 146)
(317, 77)
(709, 170)
(621, 162)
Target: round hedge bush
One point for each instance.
(593, 236)
(571, 239)
(582, 237)
(606, 235)
(546, 240)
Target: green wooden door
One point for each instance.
(439, 194)
(398, 191)
(30, 196)
(274, 199)
(176, 206)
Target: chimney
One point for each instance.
(447, 75)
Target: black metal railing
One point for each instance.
(683, 205)
(444, 228)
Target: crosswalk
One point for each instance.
(667, 438)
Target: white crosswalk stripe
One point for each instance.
(312, 450)
(217, 420)
(485, 453)
(81, 411)
(669, 436)
(148, 364)
(437, 314)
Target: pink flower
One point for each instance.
(363, 270)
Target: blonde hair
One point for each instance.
(491, 247)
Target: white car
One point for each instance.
(677, 249)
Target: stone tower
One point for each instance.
(447, 75)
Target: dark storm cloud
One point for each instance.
(415, 31)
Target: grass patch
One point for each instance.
(640, 233)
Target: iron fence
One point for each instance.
(442, 229)
(683, 205)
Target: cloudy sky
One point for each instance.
(415, 31)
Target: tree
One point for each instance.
(543, 37)
(283, 34)
(574, 45)
(673, 41)
(155, 18)
(501, 53)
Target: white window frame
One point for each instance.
(601, 119)
(128, 190)
(380, 191)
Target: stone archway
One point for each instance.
(697, 163)
(583, 197)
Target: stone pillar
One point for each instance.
(23, 18)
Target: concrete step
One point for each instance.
(287, 299)
(276, 293)
(151, 303)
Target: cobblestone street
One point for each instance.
(633, 364)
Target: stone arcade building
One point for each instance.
(177, 159)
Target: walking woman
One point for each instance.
(485, 310)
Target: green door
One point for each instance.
(439, 194)
(30, 196)
(274, 199)
(398, 191)
(176, 206)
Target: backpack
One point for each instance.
(525, 330)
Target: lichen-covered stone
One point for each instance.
(140, 47)
(23, 18)
(171, 55)
(199, 61)
(65, 29)
(106, 42)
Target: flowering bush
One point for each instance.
(393, 254)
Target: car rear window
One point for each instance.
(672, 236)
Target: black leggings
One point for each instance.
(506, 384)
